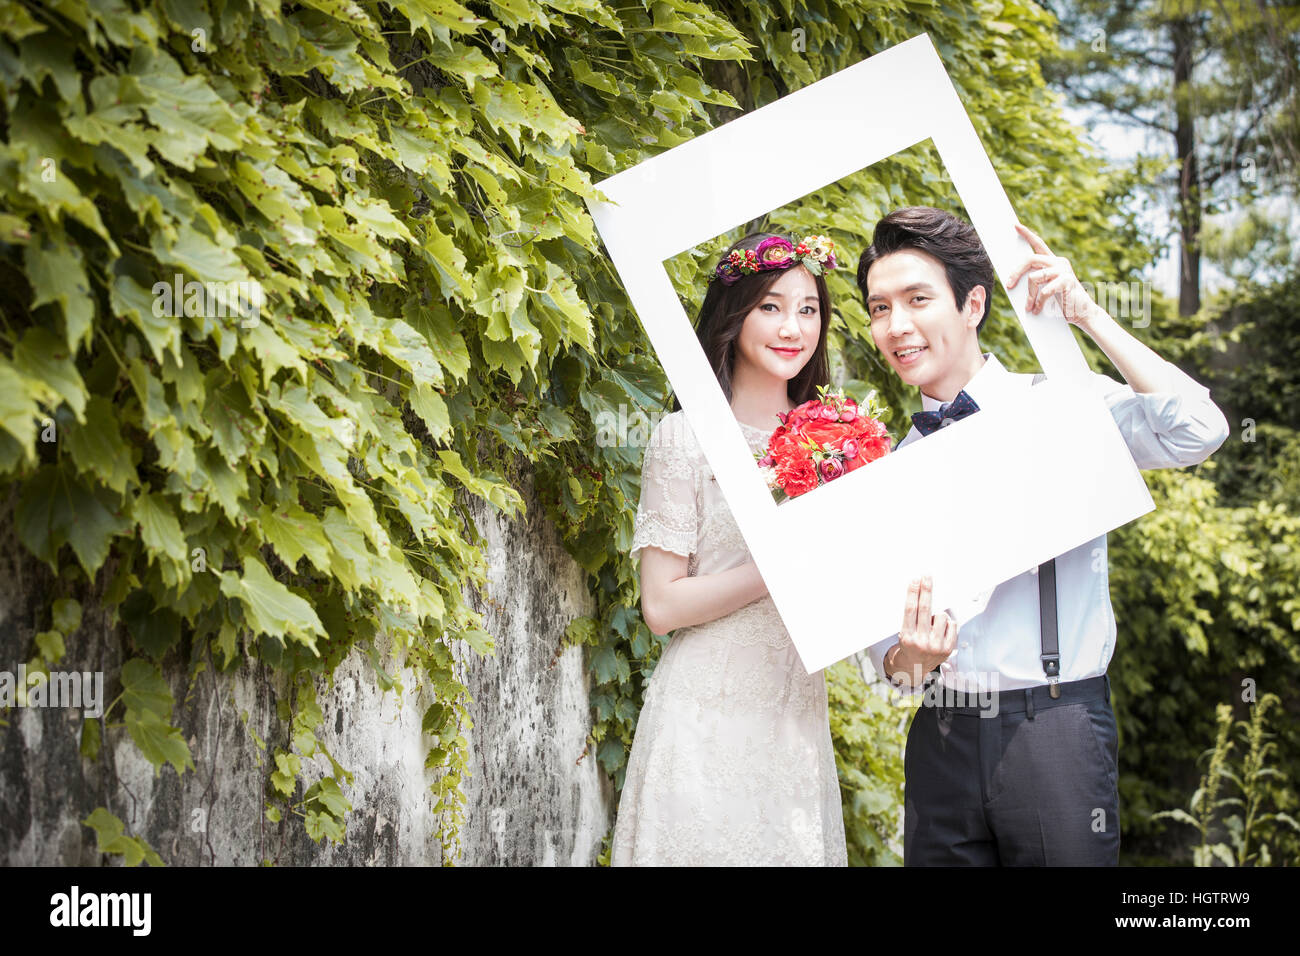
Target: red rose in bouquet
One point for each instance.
(821, 440)
(796, 474)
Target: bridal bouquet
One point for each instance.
(820, 440)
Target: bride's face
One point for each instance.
(782, 330)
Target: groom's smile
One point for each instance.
(909, 355)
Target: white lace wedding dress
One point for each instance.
(732, 763)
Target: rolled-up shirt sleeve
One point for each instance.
(877, 654)
(1166, 429)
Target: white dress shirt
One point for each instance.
(998, 642)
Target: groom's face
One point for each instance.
(915, 319)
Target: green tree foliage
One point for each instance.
(392, 194)
(1255, 246)
(1218, 82)
(1204, 587)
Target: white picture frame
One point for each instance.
(837, 561)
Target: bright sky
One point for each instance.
(1119, 142)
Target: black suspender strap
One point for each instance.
(1051, 649)
(1051, 655)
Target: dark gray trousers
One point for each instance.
(1035, 785)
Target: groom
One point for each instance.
(1032, 781)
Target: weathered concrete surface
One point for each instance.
(533, 797)
(541, 797)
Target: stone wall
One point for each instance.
(534, 796)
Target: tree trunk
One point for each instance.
(1183, 33)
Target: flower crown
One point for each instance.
(813, 252)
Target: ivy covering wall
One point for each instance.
(395, 194)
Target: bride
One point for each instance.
(732, 762)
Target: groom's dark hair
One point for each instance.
(952, 241)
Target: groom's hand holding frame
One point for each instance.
(925, 640)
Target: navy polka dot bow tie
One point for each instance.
(949, 412)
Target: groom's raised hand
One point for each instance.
(925, 640)
(1052, 276)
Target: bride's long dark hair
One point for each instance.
(722, 315)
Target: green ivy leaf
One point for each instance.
(148, 713)
(97, 447)
(159, 529)
(326, 795)
(159, 742)
(285, 777)
(56, 508)
(18, 409)
(50, 646)
(294, 532)
(271, 607)
(67, 615)
(46, 360)
(131, 300)
(432, 410)
(57, 273)
(111, 838)
(154, 630)
(144, 690)
(91, 732)
(480, 640)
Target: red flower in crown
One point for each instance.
(776, 252)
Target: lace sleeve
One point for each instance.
(667, 515)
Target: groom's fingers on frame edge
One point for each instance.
(1035, 241)
(1057, 284)
(1033, 262)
